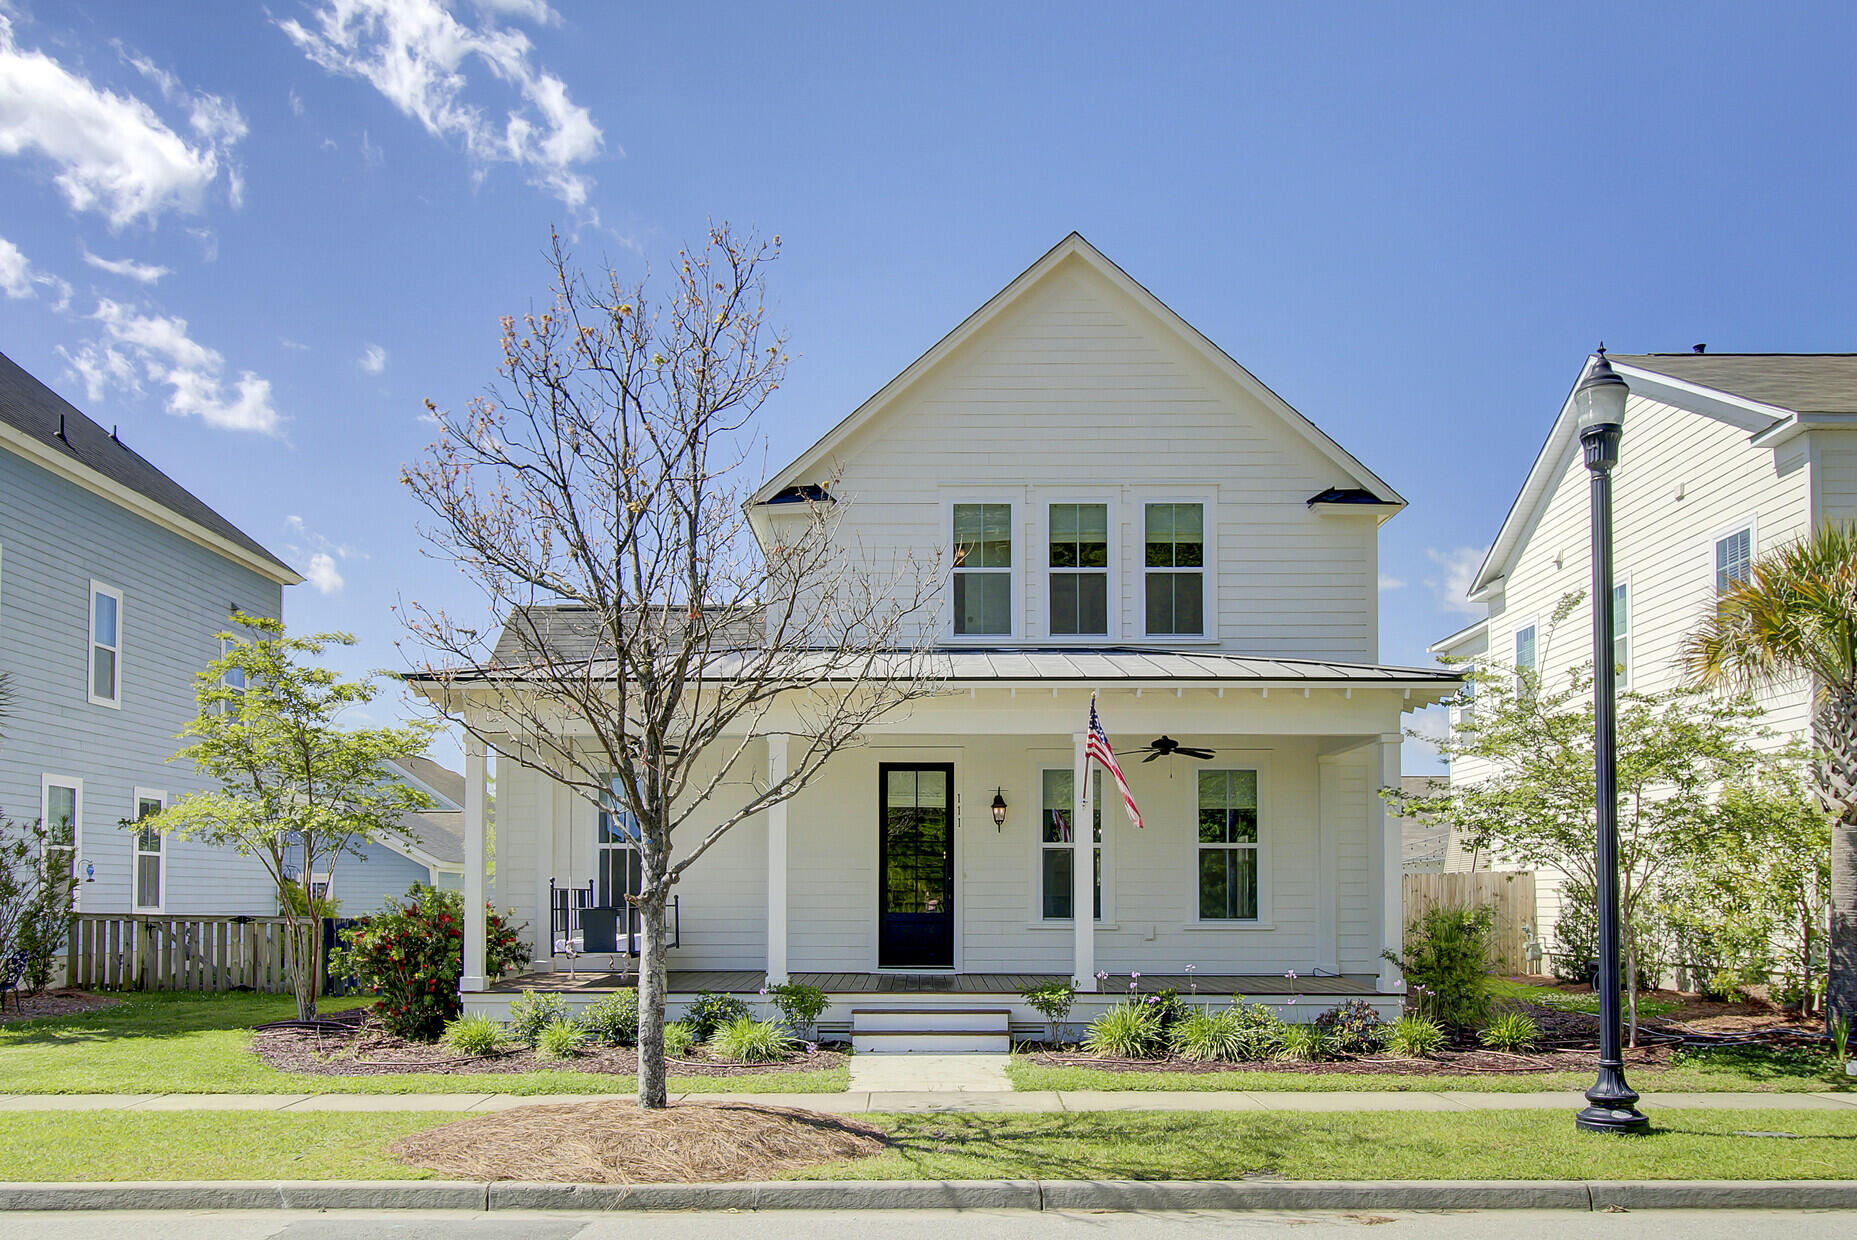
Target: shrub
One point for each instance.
(1051, 1000)
(559, 1039)
(800, 1005)
(1446, 962)
(476, 1034)
(411, 955)
(679, 1037)
(35, 907)
(1302, 1044)
(1352, 1028)
(1209, 1036)
(1126, 1031)
(1415, 1037)
(747, 1040)
(613, 1018)
(533, 1011)
(710, 1011)
(1511, 1031)
(1260, 1029)
(1167, 1008)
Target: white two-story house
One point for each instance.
(1127, 512)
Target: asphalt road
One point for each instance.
(916, 1225)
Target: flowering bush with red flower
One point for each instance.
(411, 954)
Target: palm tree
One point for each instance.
(1793, 620)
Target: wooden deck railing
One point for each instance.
(121, 951)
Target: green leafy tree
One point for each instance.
(1793, 621)
(1675, 749)
(297, 791)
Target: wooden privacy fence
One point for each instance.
(120, 951)
(1511, 894)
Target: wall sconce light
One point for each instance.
(999, 809)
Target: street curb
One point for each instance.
(1111, 1195)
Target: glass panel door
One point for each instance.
(916, 866)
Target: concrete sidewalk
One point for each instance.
(1007, 1101)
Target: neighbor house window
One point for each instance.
(1228, 845)
(234, 679)
(983, 570)
(616, 847)
(1734, 558)
(1079, 540)
(61, 812)
(1176, 569)
(1055, 852)
(149, 852)
(1621, 633)
(106, 607)
(1524, 657)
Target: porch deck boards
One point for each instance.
(750, 981)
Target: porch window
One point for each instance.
(150, 852)
(60, 812)
(1079, 581)
(983, 570)
(1228, 845)
(1176, 569)
(617, 847)
(105, 645)
(1055, 855)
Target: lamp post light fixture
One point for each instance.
(999, 809)
(1599, 401)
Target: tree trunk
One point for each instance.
(303, 951)
(1837, 739)
(651, 994)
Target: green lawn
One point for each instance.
(1521, 1145)
(187, 1043)
(1563, 1001)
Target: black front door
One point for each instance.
(915, 865)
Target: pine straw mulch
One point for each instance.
(617, 1143)
(352, 1043)
(60, 1002)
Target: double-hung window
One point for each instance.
(1055, 851)
(983, 570)
(234, 678)
(1079, 580)
(106, 606)
(1734, 558)
(1228, 846)
(620, 874)
(1621, 634)
(1175, 537)
(1524, 657)
(150, 852)
(61, 813)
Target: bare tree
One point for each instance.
(652, 624)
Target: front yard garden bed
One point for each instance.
(60, 1002)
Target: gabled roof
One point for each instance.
(1071, 249)
(1768, 395)
(42, 426)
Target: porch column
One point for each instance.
(542, 928)
(776, 865)
(1327, 864)
(1082, 873)
(1386, 857)
(474, 864)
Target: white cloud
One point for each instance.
(319, 555)
(19, 279)
(529, 10)
(371, 155)
(414, 52)
(137, 346)
(1456, 569)
(1390, 582)
(1432, 725)
(296, 102)
(321, 572)
(112, 153)
(142, 273)
(373, 359)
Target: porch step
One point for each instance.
(930, 1030)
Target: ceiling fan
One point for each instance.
(1166, 746)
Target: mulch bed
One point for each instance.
(352, 1044)
(617, 1143)
(60, 1002)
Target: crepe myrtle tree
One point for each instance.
(296, 790)
(606, 471)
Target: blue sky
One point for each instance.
(258, 243)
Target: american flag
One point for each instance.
(1097, 749)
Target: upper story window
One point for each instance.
(1524, 656)
(105, 645)
(1734, 558)
(234, 679)
(1079, 557)
(1621, 633)
(1175, 569)
(983, 570)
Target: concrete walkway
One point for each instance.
(964, 1099)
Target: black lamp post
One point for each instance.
(1600, 404)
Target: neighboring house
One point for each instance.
(1424, 844)
(427, 848)
(113, 583)
(1724, 457)
(1133, 514)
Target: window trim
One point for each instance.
(48, 781)
(1113, 603)
(1015, 573)
(1534, 623)
(136, 854)
(1713, 543)
(1064, 760)
(1208, 571)
(91, 645)
(1263, 919)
